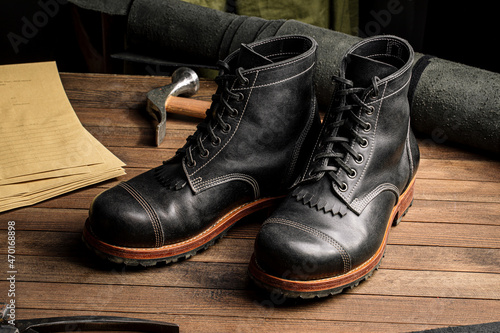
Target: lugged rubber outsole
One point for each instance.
(177, 251)
(336, 284)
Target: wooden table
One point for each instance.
(441, 268)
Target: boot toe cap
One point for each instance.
(294, 251)
(119, 218)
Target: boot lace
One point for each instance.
(214, 115)
(342, 129)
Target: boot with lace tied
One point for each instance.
(331, 231)
(242, 158)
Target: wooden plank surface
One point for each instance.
(441, 268)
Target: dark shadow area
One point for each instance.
(81, 40)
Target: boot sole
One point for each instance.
(177, 251)
(333, 285)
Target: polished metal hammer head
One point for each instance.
(185, 82)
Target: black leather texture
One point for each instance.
(262, 120)
(336, 216)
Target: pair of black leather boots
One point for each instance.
(338, 185)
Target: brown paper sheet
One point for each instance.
(44, 149)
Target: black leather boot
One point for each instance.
(242, 158)
(331, 230)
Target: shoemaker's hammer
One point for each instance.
(165, 99)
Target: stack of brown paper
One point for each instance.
(44, 149)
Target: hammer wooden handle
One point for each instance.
(187, 106)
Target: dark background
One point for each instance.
(453, 30)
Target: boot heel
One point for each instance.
(404, 204)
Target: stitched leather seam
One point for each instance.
(372, 146)
(348, 197)
(393, 93)
(304, 176)
(385, 55)
(277, 66)
(280, 81)
(280, 38)
(153, 217)
(283, 53)
(300, 142)
(199, 185)
(305, 54)
(234, 132)
(408, 149)
(198, 235)
(343, 253)
(402, 69)
(361, 204)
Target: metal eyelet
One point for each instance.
(234, 113)
(205, 153)
(343, 188)
(370, 110)
(191, 165)
(368, 128)
(241, 97)
(216, 142)
(243, 79)
(352, 174)
(245, 82)
(364, 143)
(226, 129)
(359, 159)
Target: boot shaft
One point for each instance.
(366, 135)
(266, 101)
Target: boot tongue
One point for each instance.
(248, 58)
(361, 70)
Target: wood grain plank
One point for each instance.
(249, 304)
(435, 258)
(450, 151)
(46, 219)
(457, 190)
(144, 158)
(209, 324)
(431, 284)
(230, 276)
(444, 234)
(233, 249)
(79, 199)
(112, 117)
(140, 137)
(95, 81)
(454, 212)
(487, 171)
(407, 233)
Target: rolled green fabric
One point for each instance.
(459, 102)
(177, 30)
